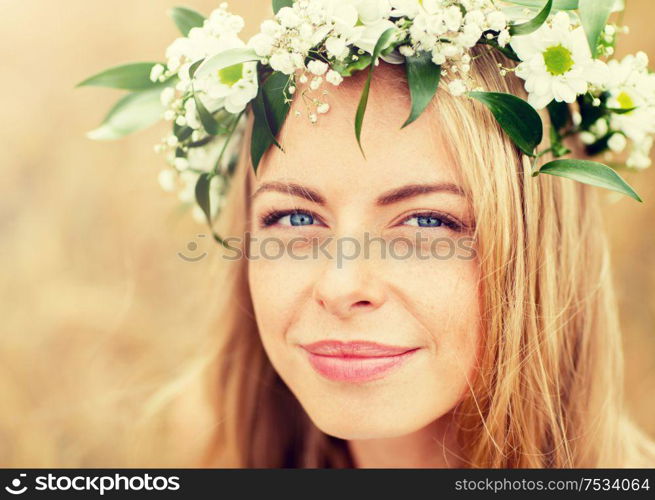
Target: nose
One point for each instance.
(349, 287)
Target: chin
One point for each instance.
(366, 424)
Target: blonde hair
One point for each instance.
(549, 385)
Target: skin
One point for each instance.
(402, 419)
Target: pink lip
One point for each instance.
(355, 361)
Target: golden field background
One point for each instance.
(96, 306)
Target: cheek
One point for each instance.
(443, 295)
(277, 286)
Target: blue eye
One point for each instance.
(427, 220)
(288, 218)
(433, 220)
(300, 219)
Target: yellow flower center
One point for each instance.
(625, 101)
(558, 60)
(231, 75)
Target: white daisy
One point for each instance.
(632, 87)
(557, 62)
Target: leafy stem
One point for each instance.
(227, 140)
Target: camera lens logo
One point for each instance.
(15, 488)
(192, 246)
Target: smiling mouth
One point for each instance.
(355, 362)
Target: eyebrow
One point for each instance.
(390, 197)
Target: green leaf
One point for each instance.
(270, 110)
(348, 69)
(185, 19)
(276, 106)
(182, 133)
(621, 111)
(133, 112)
(519, 120)
(560, 114)
(557, 4)
(381, 44)
(278, 4)
(209, 123)
(194, 67)
(225, 59)
(534, 24)
(202, 194)
(589, 172)
(423, 79)
(594, 15)
(134, 76)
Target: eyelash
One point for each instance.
(273, 216)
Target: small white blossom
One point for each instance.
(336, 47)
(457, 88)
(167, 179)
(156, 72)
(617, 143)
(315, 83)
(181, 163)
(317, 67)
(262, 44)
(333, 77)
(167, 95)
(281, 61)
(587, 138)
(288, 17)
(323, 108)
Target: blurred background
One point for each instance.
(97, 307)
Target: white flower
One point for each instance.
(336, 47)
(632, 87)
(371, 34)
(557, 63)
(617, 143)
(504, 38)
(453, 18)
(406, 50)
(315, 83)
(640, 154)
(262, 44)
(317, 67)
(271, 28)
(497, 20)
(288, 17)
(457, 88)
(167, 179)
(156, 71)
(407, 8)
(600, 128)
(323, 108)
(333, 77)
(281, 61)
(229, 88)
(167, 95)
(181, 163)
(587, 138)
(191, 114)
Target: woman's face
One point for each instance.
(373, 345)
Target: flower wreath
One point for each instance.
(211, 78)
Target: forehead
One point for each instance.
(326, 155)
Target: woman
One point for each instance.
(506, 353)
